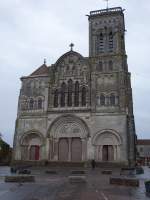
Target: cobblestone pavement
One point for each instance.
(57, 187)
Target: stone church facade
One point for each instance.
(80, 108)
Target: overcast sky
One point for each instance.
(32, 30)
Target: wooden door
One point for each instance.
(34, 152)
(76, 150)
(110, 153)
(63, 149)
(105, 153)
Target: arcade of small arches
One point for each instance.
(70, 94)
(33, 103)
(107, 99)
(67, 141)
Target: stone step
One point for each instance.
(107, 172)
(78, 172)
(77, 179)
(19, 179)
(126, 181)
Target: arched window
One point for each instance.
(110, 65)
(102, 100)
(31, 104)
(101, 43)
(83, 96)
(39, 103)
(70, 90)
(56, 98)
(110, 45)
(63, 91)
(112, 99)
(99, 66)
(76, 95)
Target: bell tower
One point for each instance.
(111, 84)
(106, 32)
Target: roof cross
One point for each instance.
(107, 1)
(44, 61)
(71, 46)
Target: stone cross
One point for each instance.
(107, 3)
(71, 45)
(44, 61)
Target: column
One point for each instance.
(69, 153)
(56, 142)
(84, 149)
(49, 149)
(100, 153)
(115, 152)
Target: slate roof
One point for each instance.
(143, 142)
(42, 70)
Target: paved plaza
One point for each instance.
(58, 187)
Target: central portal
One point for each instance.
(70, 149)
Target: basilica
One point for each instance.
(80, 108)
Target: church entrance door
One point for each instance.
(34, 152)
(108, 153)
(76, 150)
(63, 149)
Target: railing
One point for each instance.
(104, 11)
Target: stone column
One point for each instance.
(90, 149)
(84, 149)
(56, 141)
(73, 102)
(118, 152)
(45, 106)
(115, 152)
(69, 144)
(49, 149)
(100, 152)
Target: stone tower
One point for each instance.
(80, 108)
(112, 86)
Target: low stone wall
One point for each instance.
(126, 181)
(51, 172)
(108, 172)
(48, 163)
(78, 172)
(77, 179)
(19, 179)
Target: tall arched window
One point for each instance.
(110, 65)
(70, 90)
(110, 45)
(63, 92)
(112, 99)
(102, 100)
(56, 98)
(101, 43)
(99, 66)
(76, 95)
(39, 103)
(83, 96)
(31, 104)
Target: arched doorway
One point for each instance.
(69, 137)
(63, 149)
(76, 150)
(107, 146)
(31, 146)
(108, 153)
